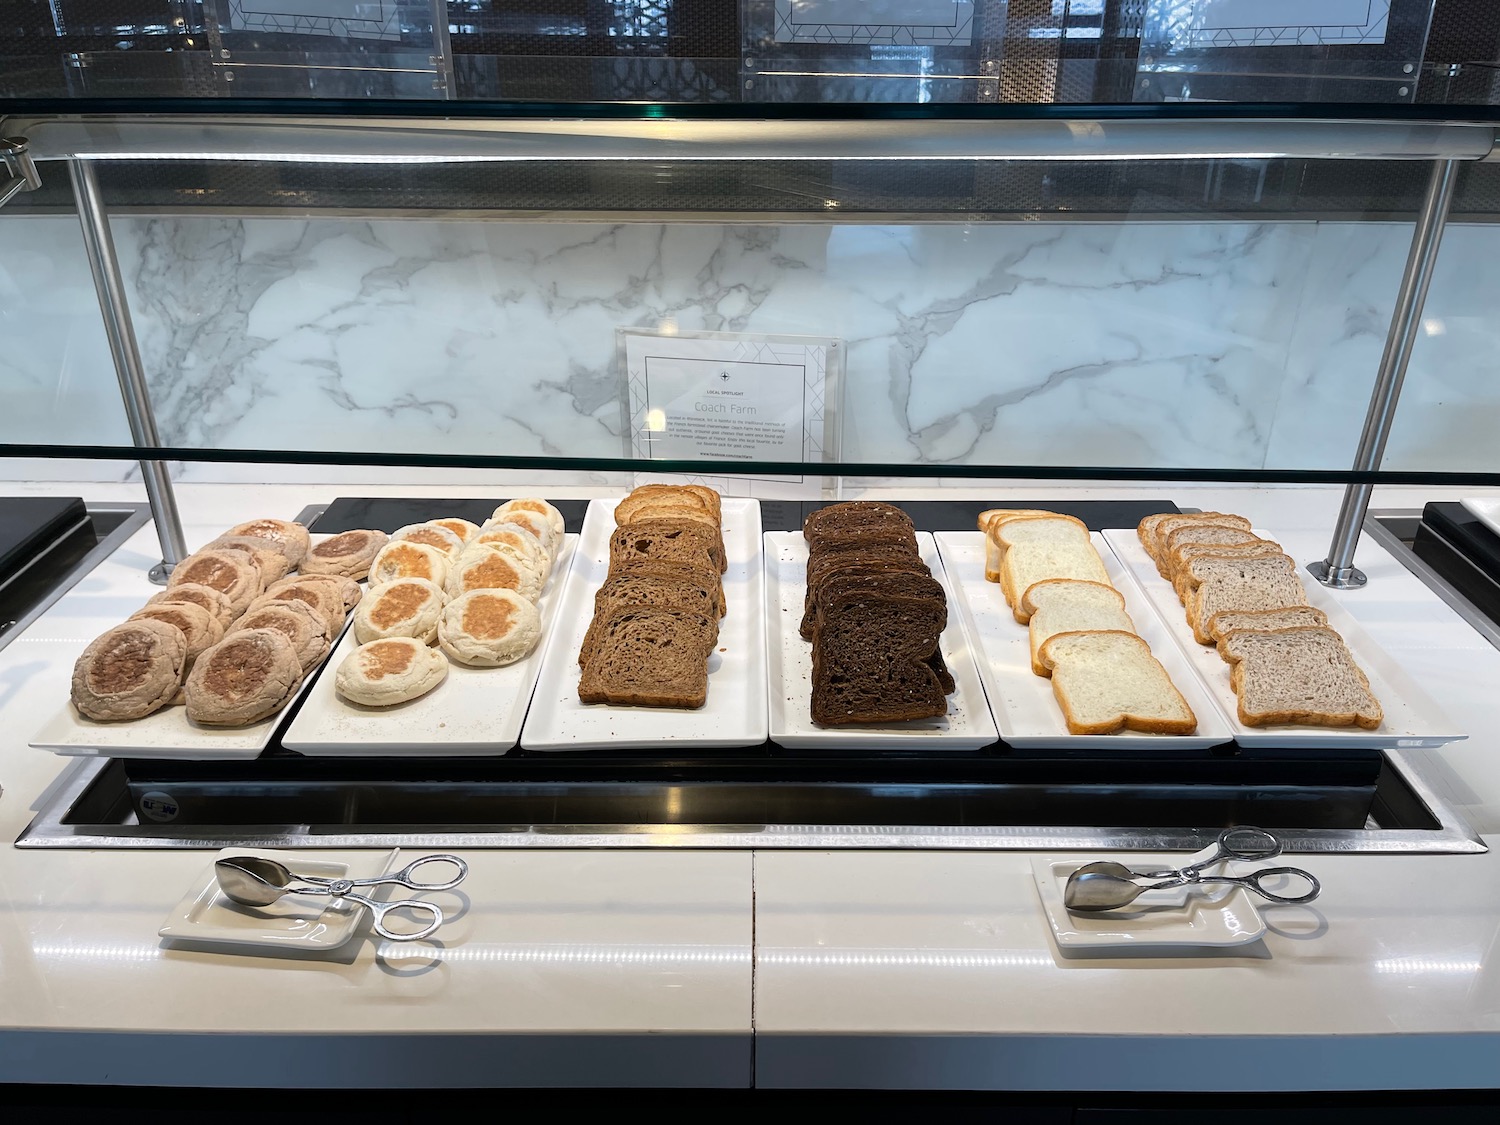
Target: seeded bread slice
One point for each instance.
(646, 656)
(873, 560)
(1028, 563)
(1109, 681)
(1066, 605)
(870, 659)
(1232, 585)
(1304, 674)
(1265, 620)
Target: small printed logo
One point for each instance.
(724, 376)
(160, 807)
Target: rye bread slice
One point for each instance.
(669, 540)
(683, 593)
(646, 656)
(657, 495)
(1304, 674)
(683, 572)
(870, 654)
(1231, 585)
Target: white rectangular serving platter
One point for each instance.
(968, 724)
(474, 711)
(1486, 509)
(735, 711)
(1024, 704)
(1412, 719)
(167, 733)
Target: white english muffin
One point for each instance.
(439, 538)
(489, 628)
(517, 540)
(405, 559)
(485, 567)
(390, 671)
(407, 607)
(539, 506)
(463, 528)
(534, 522)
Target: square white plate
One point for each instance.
(968, 725)
(474, 711)
(1412, 719)
(735, 712)
(305, 922)
(1203, 916)
(1486, 509)
(1024, 704)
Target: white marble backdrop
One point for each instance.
(1139, 344)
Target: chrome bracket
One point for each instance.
(21, 173)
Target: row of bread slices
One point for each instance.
(1104, 676)
(875, 616)
(656, 615)
(470, 590)
(1242, 593)
(231, 637)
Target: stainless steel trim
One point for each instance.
(15, 159)
(1434, 581)
(138, 515)
(110, 286)
(182, 137)
(1338, 568)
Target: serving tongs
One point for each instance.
(1105, 885)
(256, 881)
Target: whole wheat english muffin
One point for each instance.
(408, 560)
(228, 572)
(244, 678)
(298, 622)
(390, 671)
(129, 671)
(407, 607)
(200, 628)
(205, 597)
(345, 591)
(438, 538)
(489, 628)
(485, 567)
(464, 529)
(346, 555)
(291, 538)
(516, 540)
(269, 558)
(322, 600)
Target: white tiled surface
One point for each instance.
(870, 969)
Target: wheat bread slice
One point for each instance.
(1029, 563)
(684, 592)
(1221, 534)
(669, 540)
(870, 659)
(1303, 674)
(1183, 583)
(1220, 625)
(1168, 524)
(1231, 585)
(1108, 681)
(1066, 605)
(646, 656)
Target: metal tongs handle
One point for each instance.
(402, 878)
(1250, 882)
(341, 889)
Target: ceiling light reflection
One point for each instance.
(1421, 966)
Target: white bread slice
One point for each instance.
(1184, 584)
(1029, 563)
(1225, 585)
(1109, 681)
(1220, 625)
(1066, 605)
(993, 551)
(1168, 524)
(1048, 528)
(1304, 675)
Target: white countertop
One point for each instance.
(853, 969)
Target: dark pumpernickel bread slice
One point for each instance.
(646, 656)
(863, 513)
(668, 540)
(818, 588)
(906, 584)
(870, 657)
(683, 592)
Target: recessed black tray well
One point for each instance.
(1463, 551)
(32, 525)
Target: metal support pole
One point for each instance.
(110, 286)
(20, 169)
(1338, 569)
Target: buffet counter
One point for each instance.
(731, 968)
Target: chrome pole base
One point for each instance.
(159, 573)
(1338, 577)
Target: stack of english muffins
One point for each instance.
(449, 589)
(656, 616)
(239, 626)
